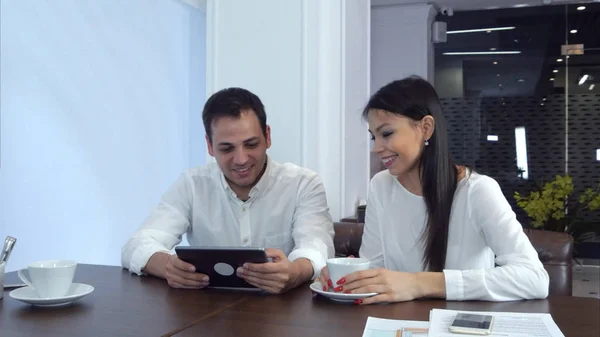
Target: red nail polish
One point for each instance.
(347, 292)
(338, 289)
(330, 283)
(358, 302)
(341, 281)
(324, 288)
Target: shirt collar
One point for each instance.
(263, 182)
(260, 186)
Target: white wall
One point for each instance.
(401, 43)
(262, 55)
(100, 112)
(356, 161)
(400, 46)
(308, 61)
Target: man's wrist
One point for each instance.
(302, 271)
(157, 264)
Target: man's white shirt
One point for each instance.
(287, 210)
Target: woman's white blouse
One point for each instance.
(483, 232)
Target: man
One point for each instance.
(245, 199)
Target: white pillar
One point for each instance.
(308, 61)
(401, 43)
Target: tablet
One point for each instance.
(220, 263)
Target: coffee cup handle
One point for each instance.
(24, 278)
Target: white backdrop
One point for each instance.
(309, 63)
(100, 112)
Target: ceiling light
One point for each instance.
(581, 8)
(482, 52)
(583, 79)
(492, 48)
(521, 80)
(555, 70)
(544, 99)
(492, 138)
(598, 154)
(495, 62)
(592, 86)
(559, 60)
(573, 31)
(498, 75)
(551, 78)
(478, 30)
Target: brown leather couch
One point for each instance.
(555, 250)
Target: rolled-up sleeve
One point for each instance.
(162, 229)
(519, 273)
(312, 227)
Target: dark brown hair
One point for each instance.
(416, 98)
(231, 102)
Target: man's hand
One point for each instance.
(178, 273)
(278, 276)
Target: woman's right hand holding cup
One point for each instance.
(324, 279)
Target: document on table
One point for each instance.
(380, 327)
(505, 324)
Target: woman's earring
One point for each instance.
(426, 142)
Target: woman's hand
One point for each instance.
(391, 286)
(324, 279)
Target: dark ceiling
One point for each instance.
(539, 34)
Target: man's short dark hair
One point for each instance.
(230, 102)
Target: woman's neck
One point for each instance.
(411, 181)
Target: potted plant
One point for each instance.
(553, 206)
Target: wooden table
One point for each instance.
(127, 305)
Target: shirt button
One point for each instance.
(244, 209)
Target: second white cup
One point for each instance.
(342, 266)
(49, 279)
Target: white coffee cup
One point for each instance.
(50, 278)
(2, 265)
(342, 266)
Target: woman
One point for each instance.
(433, 229)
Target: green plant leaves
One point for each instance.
(550, 207)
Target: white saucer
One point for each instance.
(340, 297)
(27, 295)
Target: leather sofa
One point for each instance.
(555, 250)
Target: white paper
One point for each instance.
(380, 327)
(505, 324)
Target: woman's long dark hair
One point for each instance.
(415, 98)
